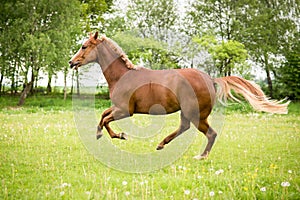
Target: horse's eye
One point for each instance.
(84, 47)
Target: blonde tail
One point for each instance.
(251, 92)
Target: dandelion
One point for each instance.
(62, 193)
(220, 171)
(212, 193)
(187, 192)
(124, 183)
(263, 189)
(127, 193)
(65, 185)
(285, 184)
(290, 171)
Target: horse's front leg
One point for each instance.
(108, 116)
(100, 126)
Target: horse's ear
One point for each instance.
(96, 35)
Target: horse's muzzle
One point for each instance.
(73, 64)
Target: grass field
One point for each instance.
(42, 157)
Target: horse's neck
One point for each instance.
(114, 72)
(113, 67)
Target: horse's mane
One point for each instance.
(118, 50)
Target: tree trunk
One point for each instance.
(77, 81)
(32, 80)
(28, 86)
(65, 83)
(49, 89)
(1, 81)
(25, 93)
(72, 84)
(269, 80)
(12, 86)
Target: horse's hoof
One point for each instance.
(201, 157)
(99, 133)
(123, 136)
(159, 147)
(98, 136)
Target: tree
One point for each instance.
(214, 25)
(228, 56)
(268, 27)
(288, 75)
(263, 26)
(38, 37)
(92, 12)
(215, 17)
(153, 18)
(152, 53)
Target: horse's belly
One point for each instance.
(155, 100)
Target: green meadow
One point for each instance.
(256, 156)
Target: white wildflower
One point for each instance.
(285, 184)
(65, 185)
(187, 192)
(127, 193)
(220, 171)
(263, 189)
(212, 193)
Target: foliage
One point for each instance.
(32, 36)
(37, 37)
(264, 27)
(228, 56)
(289, 76)
(92, 12)
(217, 17)
(153, 18)
(147, 51)
(268, 27)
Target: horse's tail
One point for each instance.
(251, 92)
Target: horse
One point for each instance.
(135, 89)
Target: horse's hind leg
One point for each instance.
(184, 125)
(211, 136)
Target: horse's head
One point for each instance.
(87, 53)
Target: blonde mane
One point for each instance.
(118, 50)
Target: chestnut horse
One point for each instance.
(136, 89)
